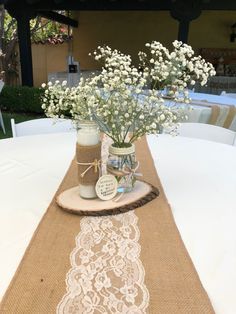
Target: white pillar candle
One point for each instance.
(88, 135)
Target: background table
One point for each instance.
(224, 100)
(202, 108)
(217, 84)
(198, 178)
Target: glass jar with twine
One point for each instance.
(123, 165)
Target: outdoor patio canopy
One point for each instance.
(24, 10)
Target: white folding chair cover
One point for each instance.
(207, 132)
(1, 85)
(234, 141)
(224, 110)
(1, 119)
(41, 126)
(199, 114)
(233, 125)
(202, 114)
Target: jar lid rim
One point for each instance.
(122, 150)
(87, 122)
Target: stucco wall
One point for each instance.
(129, 30)
(48, 58)
(212, 30)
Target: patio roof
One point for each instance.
(119, 4)
(24, 10)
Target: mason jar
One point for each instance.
(122, 164)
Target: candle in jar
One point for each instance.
(88, 135)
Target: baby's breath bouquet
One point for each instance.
(174, 70)
(118, 101)
(118, 104)
(124, 113)
(61, 101)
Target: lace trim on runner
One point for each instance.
(107, 275)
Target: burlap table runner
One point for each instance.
(173, 284)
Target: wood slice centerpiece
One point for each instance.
(70, 201)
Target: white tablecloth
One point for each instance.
(199, 180)
(198, 177)
(31, 169)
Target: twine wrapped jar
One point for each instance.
(88, 153)
(122, 164)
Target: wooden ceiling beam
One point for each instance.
(80, 5)
(74, 5)
(54, 16)
(32, 1)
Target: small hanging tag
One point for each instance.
(106, 187)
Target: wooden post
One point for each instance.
(185, 11)
(183, 31)
(23, 30)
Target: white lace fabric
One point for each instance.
(107, 275)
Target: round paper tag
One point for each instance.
(106, 187)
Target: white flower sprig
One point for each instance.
(61, 101)
(175, 70)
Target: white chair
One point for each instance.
(234, 141)
(1, 85)
(41, 126)
(198, 114)
(1, 119)
(207, 132)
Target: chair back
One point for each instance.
(213, 113)
(207, 132)
(1, 118)
(223, 116)
(1, 85)
(41, 126)
(234, 141)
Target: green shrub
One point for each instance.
(21, 99)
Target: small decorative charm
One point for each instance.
(106, 187)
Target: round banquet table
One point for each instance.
(198, 177)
